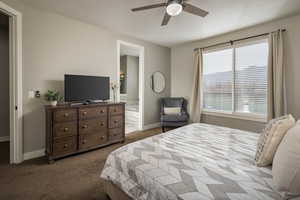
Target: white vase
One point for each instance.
(53, 103)
(115, 96)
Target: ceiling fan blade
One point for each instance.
(166, 19)
(194, 10)
(149, 7)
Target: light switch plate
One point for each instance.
(31, 94)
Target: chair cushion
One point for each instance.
(174, 118)
(172, 110)
(270, 139)
(286, 164)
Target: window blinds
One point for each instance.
(235, 79)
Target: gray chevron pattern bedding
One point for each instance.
(195, 162)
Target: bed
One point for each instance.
(195, 162)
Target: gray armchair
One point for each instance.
(174, 120)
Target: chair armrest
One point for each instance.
(185, 113)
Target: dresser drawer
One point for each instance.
(91, 140)
(118, 109)
(93, 126)
(64, 129)
(78, 128)
(65, 115)
(64, 146)
(87, 113)
(116, 134)
(115, 121)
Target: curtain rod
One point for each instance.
(237, 40)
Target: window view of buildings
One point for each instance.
(250, 86)
(235, 79)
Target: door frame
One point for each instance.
(15, 83)
(141, 50)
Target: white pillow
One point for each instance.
(286, 164)
(172, 110)
(270, 139)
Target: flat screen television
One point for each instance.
(80, 88)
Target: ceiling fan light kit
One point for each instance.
(174, 8)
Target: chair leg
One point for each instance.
(163, 129)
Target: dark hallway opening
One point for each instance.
(4, 88)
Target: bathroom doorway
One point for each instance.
(130, 78)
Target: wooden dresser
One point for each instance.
(75, 129)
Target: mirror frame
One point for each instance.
(151, 82)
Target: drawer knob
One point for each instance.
(84, 113)
(116, 121)
(66, 114)
(101, 111)
(85, 126)
(66, 129)
(66, 146)
(102, 137)
(101, 123)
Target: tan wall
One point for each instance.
(4, 77)
(182, 67)
(132, 78)
(130, 66)
(54, 45)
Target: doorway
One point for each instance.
(130, 79)
(12, 21)
(4, 88)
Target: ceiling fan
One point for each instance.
(174, 8)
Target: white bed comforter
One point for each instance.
(195, 162)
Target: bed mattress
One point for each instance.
(195, 162)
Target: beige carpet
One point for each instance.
(74, 178)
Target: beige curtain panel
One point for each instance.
(196, 99)
(276, 76)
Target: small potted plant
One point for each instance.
(53, 97)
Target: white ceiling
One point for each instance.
(224, 16)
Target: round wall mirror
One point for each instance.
(158, 82)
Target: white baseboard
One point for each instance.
(150, 126)
(34, 154)
(4, 138)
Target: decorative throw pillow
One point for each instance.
(270, 139)
(172, 110)
(286, 164)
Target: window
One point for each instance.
(218, 79)
(235, 79)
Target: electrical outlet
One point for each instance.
(37, 94)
